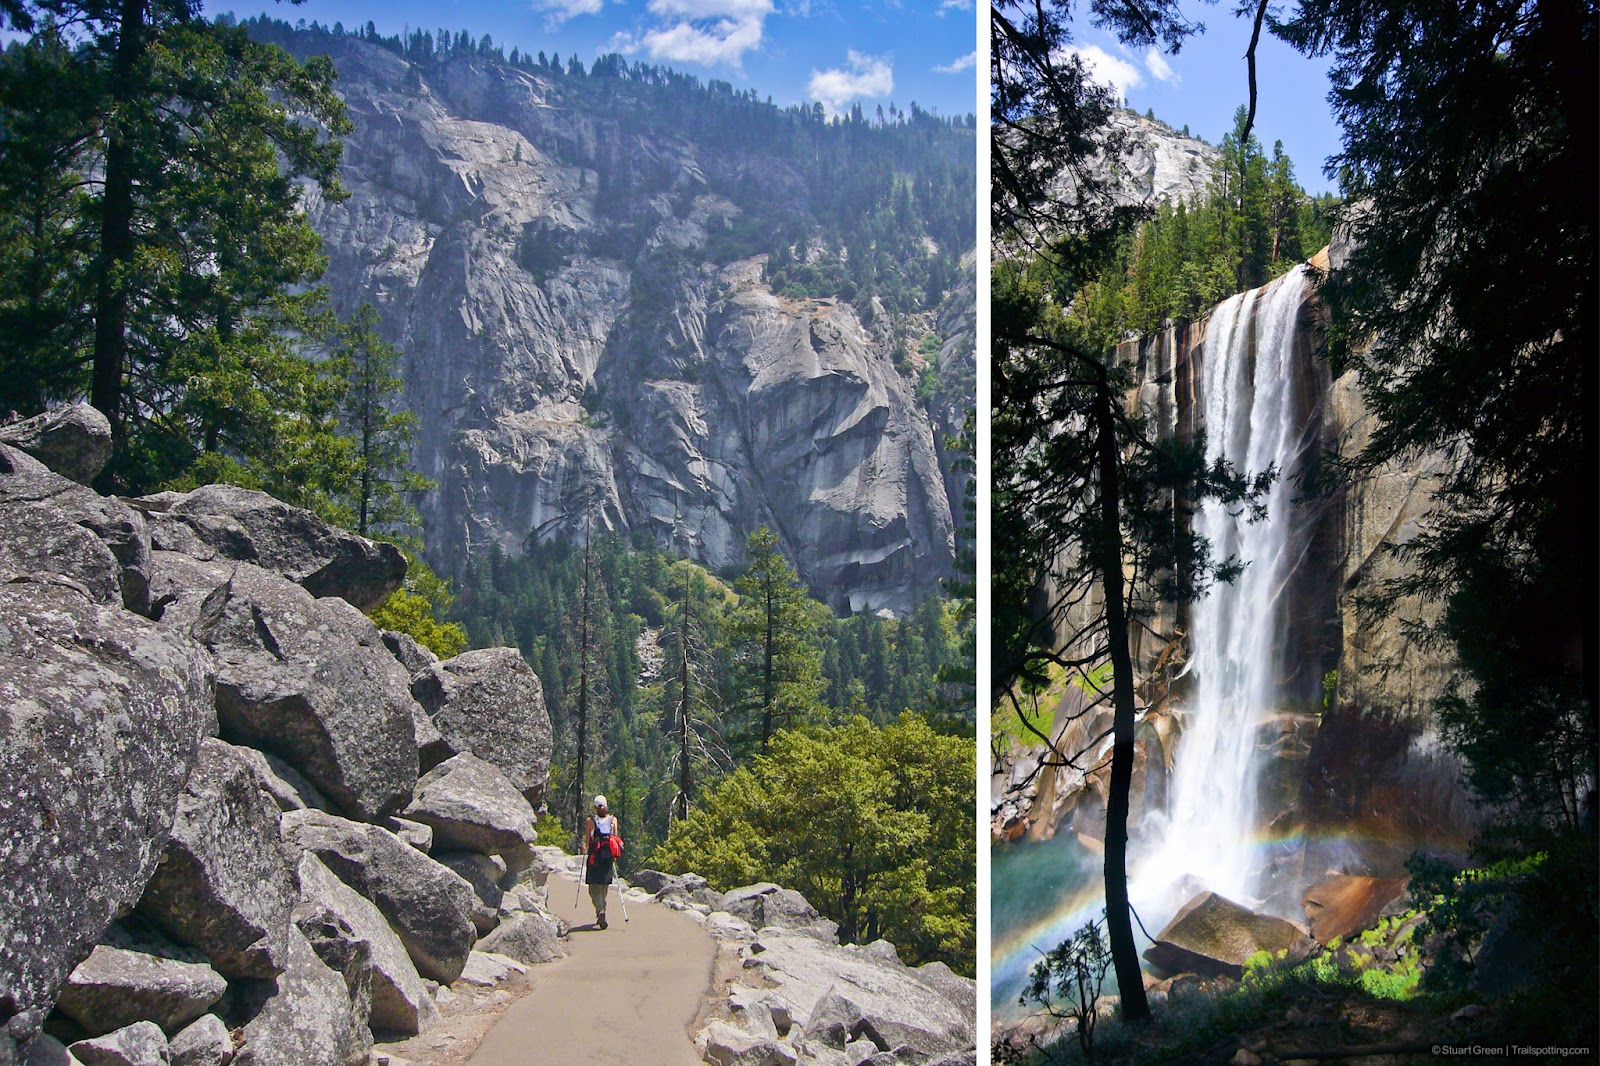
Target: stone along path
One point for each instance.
(626, 995)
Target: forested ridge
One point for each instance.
(882, 213)
(1254, 222)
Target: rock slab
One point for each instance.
(310, 681)
(429, 907)
(101, 716)
(1212, 936)
(115, 987)
(224, 884)
(490, 703)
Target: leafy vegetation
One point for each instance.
(869, 666)
(872, 824)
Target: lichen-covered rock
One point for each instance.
(490, 703)
(483, 873)
(74, 442)
(46, 1050)
(140, 1044)
(528, 937)
(205, 1043)
(224, 522)
(416, 834)
(839, 994)
(180, 584)
(310, 680)
(767, 904)
(224, 883)
(305, 1018)
(345, 953)
(101, 716)
(472, 807)
(412, 655)
(400, 1001)
(726, 1045)
(114, 988)
(23, 479)
(282, 782)
(34, 540)
(429, 907)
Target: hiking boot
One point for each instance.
(600, 921)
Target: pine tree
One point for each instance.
(380, 481)
(191, 248)
(774, 629)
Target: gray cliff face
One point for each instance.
(1163, 165)
(569, 343)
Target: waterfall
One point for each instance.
(1246, 406)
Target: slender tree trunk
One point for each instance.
(1124, 952)
(367, 459)
(579, 791)
(116, 232)
(768, 685)
(685, 772)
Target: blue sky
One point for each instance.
(1204, 83)
(796, 51)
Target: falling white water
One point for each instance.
(1248, 415)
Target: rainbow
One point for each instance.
(1013, 951)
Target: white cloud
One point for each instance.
(1107, 69)
(739, 10)
(954, 5)
(866, 76)
(960, 63)
(1159, 68)
(708, 32)
(558, 11)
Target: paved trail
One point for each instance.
(626, 995)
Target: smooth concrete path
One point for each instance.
(625, 995)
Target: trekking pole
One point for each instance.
(578, 889)
(621, 897)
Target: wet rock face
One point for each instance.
(567, 345)
(1212, 936)
(101, 716)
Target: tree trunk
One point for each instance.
(116, 233)
(583, 687)
(1124, 952)
(768, 684)
(685, 774)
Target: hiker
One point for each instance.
(605, 845)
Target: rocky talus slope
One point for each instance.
(242, 825)
(788, 992)
(542, 253)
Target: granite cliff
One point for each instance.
(552, 255)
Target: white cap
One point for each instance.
(600, 801)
